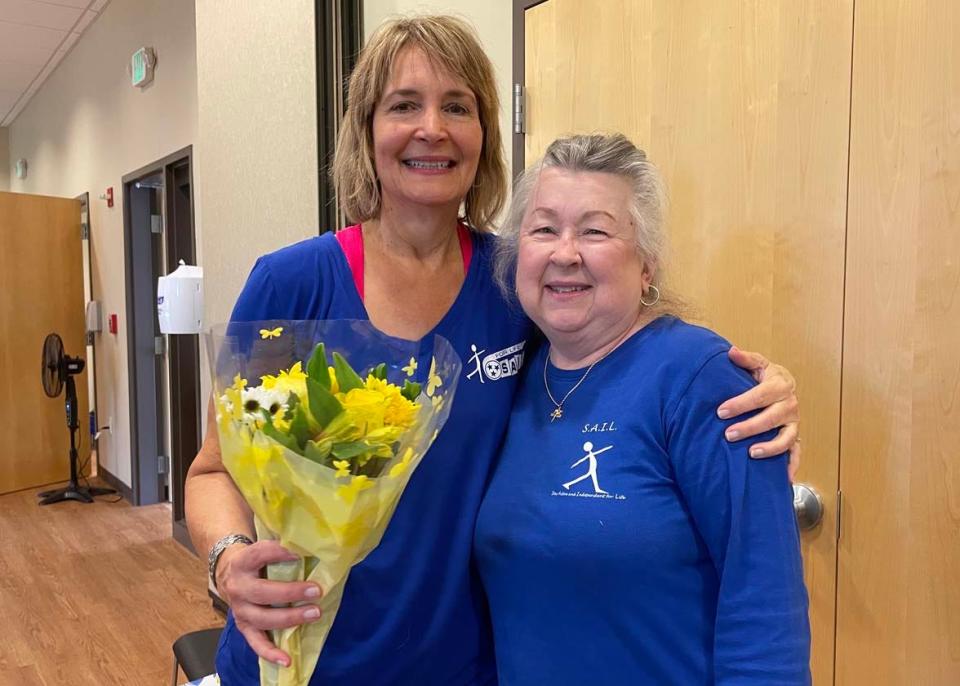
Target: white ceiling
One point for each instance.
(34, 36)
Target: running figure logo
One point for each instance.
(591, 458)
(499, 365)
(476, 358)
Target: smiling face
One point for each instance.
(427, 136)
(579, 275)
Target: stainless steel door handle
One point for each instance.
(808, 506)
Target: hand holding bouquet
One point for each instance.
(321, 425)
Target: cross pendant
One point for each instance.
(556, 414)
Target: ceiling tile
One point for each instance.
(19, 36)
(24, 54)
(39, 14)
(35, 35)
(82, 4)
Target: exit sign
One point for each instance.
(141, 66)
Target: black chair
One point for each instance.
(195, 653)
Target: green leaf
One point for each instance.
(300, 427)
(348, 450)
(317, 366)
(284, 439)
(347, 379)
(411, 390)
(323, 406)
(293, 401)
(318, 451)
(380, 371)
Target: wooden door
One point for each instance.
(744, 106)
(898, 602)
(41, 292)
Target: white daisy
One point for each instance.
(259, 397)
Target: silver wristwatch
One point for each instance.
(217, 550)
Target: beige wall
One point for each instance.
(6, 164)
(257, 163)
(84, 129)
(493, 20)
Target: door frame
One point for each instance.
(146, 431)
(183, 351)
(86, 234)
(338, 37)
(517, 160)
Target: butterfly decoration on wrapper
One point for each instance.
(321, 425)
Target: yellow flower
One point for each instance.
(433, 379)
(349, 492)
(234, 398)
(271, 333)
(364, 408)
(343, 468)
(385, 435)
(398, 411)
(403, 465)
(293, 380)
(334, 385)
(411, 368)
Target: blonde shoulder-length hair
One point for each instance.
(452, 45)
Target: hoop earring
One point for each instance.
(656, 298)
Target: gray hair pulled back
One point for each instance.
(605, 153)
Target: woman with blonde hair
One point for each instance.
(420, 141)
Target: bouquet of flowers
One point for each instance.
(321, 425)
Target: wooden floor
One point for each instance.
(93, 594)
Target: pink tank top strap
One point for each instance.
(351, 242)
(466, 246)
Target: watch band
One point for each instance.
(217, 550)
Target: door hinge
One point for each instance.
(156, 223)
(163, 464)
(839, 512)
(159, 346)
(519, 108)
(84, 231)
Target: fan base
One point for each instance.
(72, 492)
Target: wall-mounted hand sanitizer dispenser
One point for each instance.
(180, 300)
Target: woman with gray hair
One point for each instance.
(622, 540)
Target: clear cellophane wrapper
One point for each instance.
(332, 520)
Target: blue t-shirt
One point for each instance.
(628, 542)
(413, 612)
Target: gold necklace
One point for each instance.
(558, 410)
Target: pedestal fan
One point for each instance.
(56, 372)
